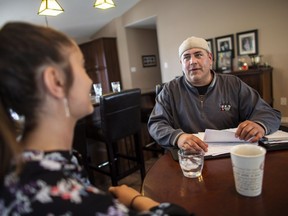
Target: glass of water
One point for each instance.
(116, 86)
(98, 91)
(191, 162)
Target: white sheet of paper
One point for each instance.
(220, 136)
(278, 135)
(220, 141)
(215, 149)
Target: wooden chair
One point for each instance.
(152, 146)
(121, 130)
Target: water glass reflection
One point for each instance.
(98, 91)
(116, 86)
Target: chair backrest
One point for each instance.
(121, 114)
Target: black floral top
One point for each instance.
(52, 183)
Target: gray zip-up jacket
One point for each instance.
(228, 101)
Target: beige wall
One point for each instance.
(143, 42)
(210, 19)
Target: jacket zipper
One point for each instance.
(201, 97)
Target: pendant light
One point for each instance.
(50, 8)
(104, 4)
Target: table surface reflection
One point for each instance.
(214, 192)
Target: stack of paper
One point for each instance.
(275, 141)
(278, 135)
(220, 141)
(215, 136)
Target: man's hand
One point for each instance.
(249, 131)
(189, 141)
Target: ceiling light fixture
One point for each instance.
(104, 4)
(50, 8)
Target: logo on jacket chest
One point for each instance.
(225, 107)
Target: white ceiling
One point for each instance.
(80, 19)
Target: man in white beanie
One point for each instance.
(202, 99)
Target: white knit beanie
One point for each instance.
(193, 42)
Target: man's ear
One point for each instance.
(54, 82)
(211, 58)
(210, 55)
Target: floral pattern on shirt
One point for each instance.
(52, 183)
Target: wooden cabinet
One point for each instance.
(101, 61)
(260, 79)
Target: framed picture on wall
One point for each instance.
(149, 61)
(225, 43)
(211, 45)
(247, 42)
(224, 61)
(210, 42)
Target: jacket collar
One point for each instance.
(212, 84)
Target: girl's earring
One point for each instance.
(66, 107)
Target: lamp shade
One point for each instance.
(104, 4)
(50, 8)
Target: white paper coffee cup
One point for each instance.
(248, 168)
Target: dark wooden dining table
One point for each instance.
(214, 192)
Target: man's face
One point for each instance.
(196, 64)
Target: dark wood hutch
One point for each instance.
(101, 61)
(260, 79)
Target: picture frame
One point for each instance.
(210, 44)
(225, 43)
(224, 61)
(149, 61)
(247, 42)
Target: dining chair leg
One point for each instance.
(112, 163)
(140, 156)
